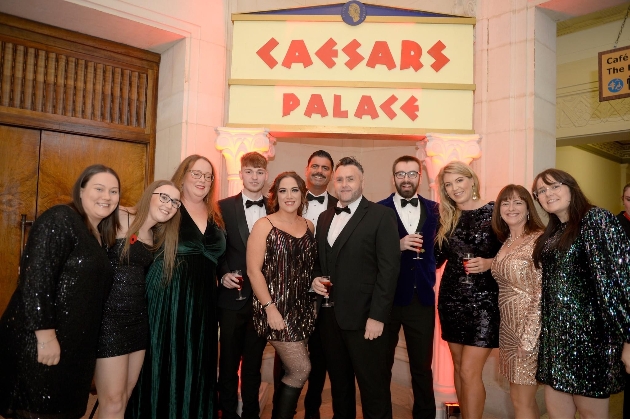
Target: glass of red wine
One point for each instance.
(239, 277)
(466, 258)
(326, 283)
(419, 249)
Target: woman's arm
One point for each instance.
(256, 247)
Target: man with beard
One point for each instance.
(239, 340)
(414, 303)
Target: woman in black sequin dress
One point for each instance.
(624, 219)
(153, 223)
(281, 252)
(469, 313)
(585, 259)
(49, 331)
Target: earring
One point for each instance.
(474, 194)
(528, 216)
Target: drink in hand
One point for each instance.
(239, 277)
(325, 281)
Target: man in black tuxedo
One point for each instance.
(239, 340)
(414, 304)
(359, 249)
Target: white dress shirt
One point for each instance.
(315, 208)
(410, 215)
(340, 220)
(253, 213)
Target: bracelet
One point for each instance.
(43, 344)
(268, 304)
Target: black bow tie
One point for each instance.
(412, 201)
(339, 210)
(311, 197)
(249, 203)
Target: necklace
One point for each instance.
(512, 240)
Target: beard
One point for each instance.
(410, 193)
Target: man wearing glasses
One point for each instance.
(414, 303)
(239, 340)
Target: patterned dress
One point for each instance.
(288, 268)
(586, 308)
(469, 314)
(519, 303)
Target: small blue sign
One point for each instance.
(353, 12)
(615, 85)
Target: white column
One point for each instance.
(234, 142)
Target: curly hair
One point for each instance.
(273, 192)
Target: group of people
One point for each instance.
(133, 296)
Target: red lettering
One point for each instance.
(265, 53)
(290, 102)
(366, 107)
(327, 52)
(381, 55)
(354, 58)
(410, 53)
(411, 108)
(337, 111)
(297, 53)
(440, 59)
(316, 105)
(387, 106)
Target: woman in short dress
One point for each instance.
(517, 224)
(281, 252)
(468, 307)
(153, 224)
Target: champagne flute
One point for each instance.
(326, 283)
(466, 258)
(419, 249)
(239, 277)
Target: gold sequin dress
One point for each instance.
(519, 304)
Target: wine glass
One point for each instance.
(419, 249)
(466, 258)
(239, 277)
(325, 280)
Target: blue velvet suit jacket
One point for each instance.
(418, 273)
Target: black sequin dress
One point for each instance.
(586, 308)
(125, 327)
(288, 268)
(64, 280)
(469, 314)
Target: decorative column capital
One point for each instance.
(234, 142)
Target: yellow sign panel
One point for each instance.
(614, 74)
(404, 78)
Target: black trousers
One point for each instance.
(317, 377)
(239, 341)
(626, 398)
(418, 323)
(349, 355)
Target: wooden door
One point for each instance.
(19, 161)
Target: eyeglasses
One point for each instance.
(542, 191)
(196, 174)
(165, 199)
(401, 175)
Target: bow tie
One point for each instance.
(412, 201)
(339, 210)
(311, 197)
(249, 203)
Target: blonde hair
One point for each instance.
(449, 213)
(165, 235)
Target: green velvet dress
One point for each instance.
(180, 367)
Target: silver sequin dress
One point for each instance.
(519, 304)
(288, 268)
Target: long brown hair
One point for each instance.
(500, 227)
(449, 213)
(214, 213)
(109, 225)
(578, 207)
(165, 235)
(273, 191)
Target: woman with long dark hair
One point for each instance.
(49, 332)
(585, 260)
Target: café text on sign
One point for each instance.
(614, 74)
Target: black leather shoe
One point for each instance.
(311, 415)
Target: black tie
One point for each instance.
(311, 197)
(339, 210)
(249, 203)
(412, 201)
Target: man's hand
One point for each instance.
(229, 281)
(373, 329)
(411, 242)
(318, 287)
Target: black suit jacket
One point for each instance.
(235, 251)
(364, 265)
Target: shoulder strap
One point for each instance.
(267, 218)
